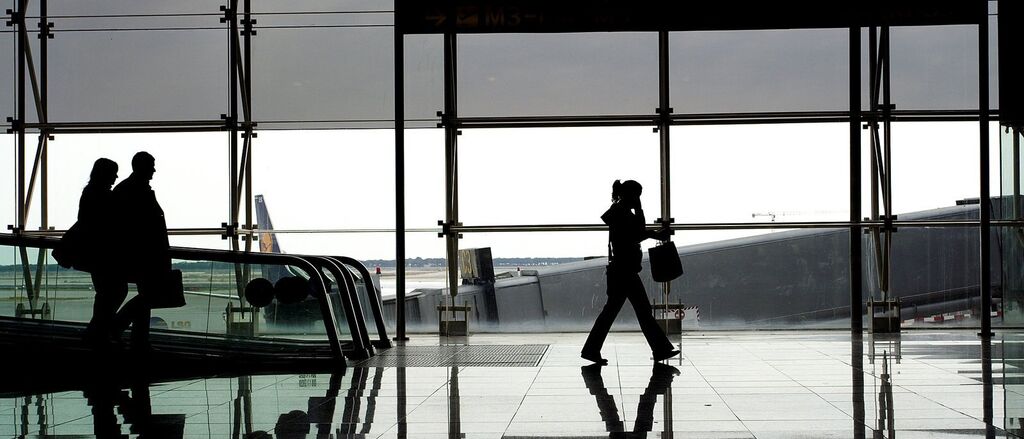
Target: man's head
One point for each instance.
(143, 165)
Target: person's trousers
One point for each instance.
(111, 291)
(623, 286)
(135, 313)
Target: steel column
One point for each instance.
(1015, 132)
(450, 118)
(19, 22)
(44, 186)
(887, 161)
(985, 201)
(249, 32)
(231, 17)
(400, 186)
(664, 124)
(856, 273)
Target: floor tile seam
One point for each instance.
(805, 387)
(174, 389)
(724, 402)
(209, 408)
(443, 385)
(523, 399)
(944, 405)
(621, 404)
(70, 421)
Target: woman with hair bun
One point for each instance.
(626, 229)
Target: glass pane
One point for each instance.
(934, 165)
(8, 78)
(1011, 163)
(424, 179)
(272, 6)
(354, 244)
(1008, 275)
(138, 76)
(934, 272)
(93, 8)
(788, 278)
(993, 61)
(760, 173)
(326, 179)
(748, 71)
(552, 175)
(190, 182)
(213, 242)
(557, 74)
(934, 67)
(426, 274)
(425, 255)
(332, 77)
(424, 80)
(8, 203)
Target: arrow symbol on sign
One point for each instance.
(438, 18)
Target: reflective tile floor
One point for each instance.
(725, 385)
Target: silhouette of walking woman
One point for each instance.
(145, 246)
(661, 380)
(95, 210)
(626, 229)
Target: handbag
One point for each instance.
(68, 253)
(665, 263)
(164, 291)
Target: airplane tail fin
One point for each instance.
(268, 240)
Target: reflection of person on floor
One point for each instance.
(626, 229)
(145, 249)
(104, 396)
(95, 210)
(661, 380)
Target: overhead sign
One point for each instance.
(514, 16)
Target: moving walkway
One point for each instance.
(44, 309)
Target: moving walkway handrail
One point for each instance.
(361, 342)
(373, 294)
(194, 254)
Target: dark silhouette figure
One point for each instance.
(105, 396)
(145, 249)
(95, 210)
(626, 229)
(661, 380)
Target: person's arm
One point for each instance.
(643, 233)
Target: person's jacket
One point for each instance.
(625, 232)
(143, 230)
(94, 229)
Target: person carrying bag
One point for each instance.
(146, 251)
(627, 227)
(87, 246)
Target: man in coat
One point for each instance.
(144, 245)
